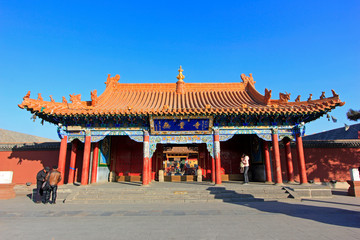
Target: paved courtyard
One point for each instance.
(323, 218)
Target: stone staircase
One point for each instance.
(176, 194)
(172, 192)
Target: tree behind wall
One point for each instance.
(353, 115)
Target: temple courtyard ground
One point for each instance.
(337, 217)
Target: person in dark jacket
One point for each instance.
(53, 178)
(40, 179)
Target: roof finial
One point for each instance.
(180, 77)
(180, 85)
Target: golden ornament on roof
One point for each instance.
(180, 77)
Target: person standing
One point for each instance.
(54, 178)
(40, 179)
(245, 163)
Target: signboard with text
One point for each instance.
(188, 125)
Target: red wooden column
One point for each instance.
(62, 158)
(301, 159)
(86, 161)
(74, 146)
(278, 177)
(204, 162)
(150, 169)
(217, 157)
(95, 163)
(212, 169)
(208, 164)
(289, 161)
(267, 162)
(146, 150)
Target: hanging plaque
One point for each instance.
(183, 125)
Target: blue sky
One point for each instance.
(65, 47)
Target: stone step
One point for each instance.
(172, 198)
(220, 194)
(158, 192)
(171, 195)
(179, 191)
(224, 194)
(182, 200)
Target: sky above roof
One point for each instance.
(67, 47)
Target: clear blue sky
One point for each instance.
(63, 47)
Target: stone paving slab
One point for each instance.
(318, 218)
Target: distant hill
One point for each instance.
(351, 132)
(7, 136)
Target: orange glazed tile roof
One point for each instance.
(180, 99)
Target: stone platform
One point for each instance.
(183, 192)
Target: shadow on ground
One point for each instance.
(339, 192)
(327, 215)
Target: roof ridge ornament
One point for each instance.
(284, 97)
(180, 77)
(247, 79)
(267, 96)
(180, 84)
(334, 93)
(40, 97)
(75, 99)
(322, 95)
(94, 97)
(310, 97)
(112, 81)
(27, 95)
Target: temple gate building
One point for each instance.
(131, 132)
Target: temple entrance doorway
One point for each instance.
(231, 152)
(182, 162)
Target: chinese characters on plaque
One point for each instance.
(180, 125)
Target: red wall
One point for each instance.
(26, 164)
(324, 164)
